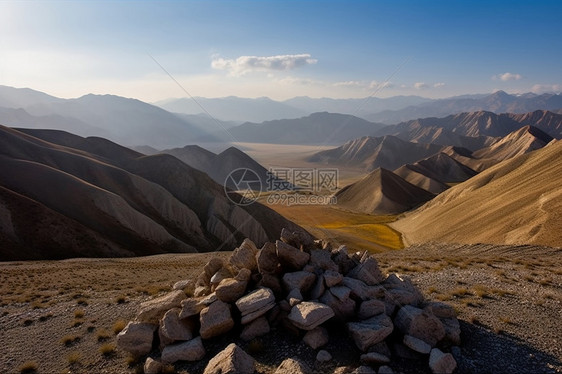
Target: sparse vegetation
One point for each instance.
(74, 357)
(102, 335)
(107, 349)
(79, 313)
(28, 367)
(119, 325)
(67, 340)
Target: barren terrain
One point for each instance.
(63, 315)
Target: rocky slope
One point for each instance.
(122, 202)
(516, 201)
(381, 192)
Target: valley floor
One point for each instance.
(63, 315)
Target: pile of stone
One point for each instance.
(303, 286)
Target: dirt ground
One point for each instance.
(62, 316)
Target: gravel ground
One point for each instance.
(508, 300)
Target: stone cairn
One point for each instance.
(297, 283)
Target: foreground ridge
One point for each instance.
(300, 286)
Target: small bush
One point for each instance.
(102, 335)
(121, 300)
(118, 326)
(74, 358)
(28, 367)
(79, 313)
(67, 340)
(107, 349)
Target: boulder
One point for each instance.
(295, 297)
(151, 311)
(202, 291)
(381, 348)
(441, 310)
(174, 328)
(297, 239)
(229, 290)
(322, 259)
(416, 344)
(292, 366)
(291, 257)
(452, 330)
(370, 308)
(323, 356)
(300, 280)
(272, 282)
(255, 304)
(244, 257)
(318, 289)
(191, 307)
(370, 331)
(385, 370)
(152, 366)
(215, 320)
(441, 363)
(136, 338)
(257, 327)
(401, 290)
(214, 265)
(232, 360)
(344, 309)
(341, 292)
(332, 278)
(317, 337)
(365, 370)
(186, 285)
(309, 315)
(266, 259)
(421, 324)
(368, 271)
(342, 259)
(374, 358)
(362, 291)
(192, 350)
(244, 275)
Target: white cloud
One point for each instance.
(374, 85)
(246, 64)
(440, 84)
(507, 77)
(420, 85)
(542, 88)
(350, 84)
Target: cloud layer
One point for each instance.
(246, 64)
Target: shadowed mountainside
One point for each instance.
(120, 202)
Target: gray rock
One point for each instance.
(309, 315)
(295, 297)
(401, 290)
(452, 330)
(266, 258)
(152, 366)
(300, 280)
(365, 370)
(272, 282)
(416, 344)
(136, 338)
(343, 309)
(341, 292)
(192, 350)
(257, 327)
(191, 307)
(342, 259)
(215, 320)
(323, 356)
(214, 265)
(381, 348)
(174, 328)
(322, 259)
(186, 285)
(297, 239)
(421, 324)
(244, 257)
(441, 363)
(368, 271)
(385, 370)
(370, 308)
(317, 337)
(243, 275)
(362, 291)
(290, 256)
(201, 291)
(229, 290)
(255, 304)
(332, 278)
(220, 275)
(318, 289)
(441, 310)
(292, 366)
(374, 358)
(151, 311)
(232, 360)
(371, 331)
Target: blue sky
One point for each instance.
(281, 49)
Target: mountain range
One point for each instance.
(517, 201)
(62, 195)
